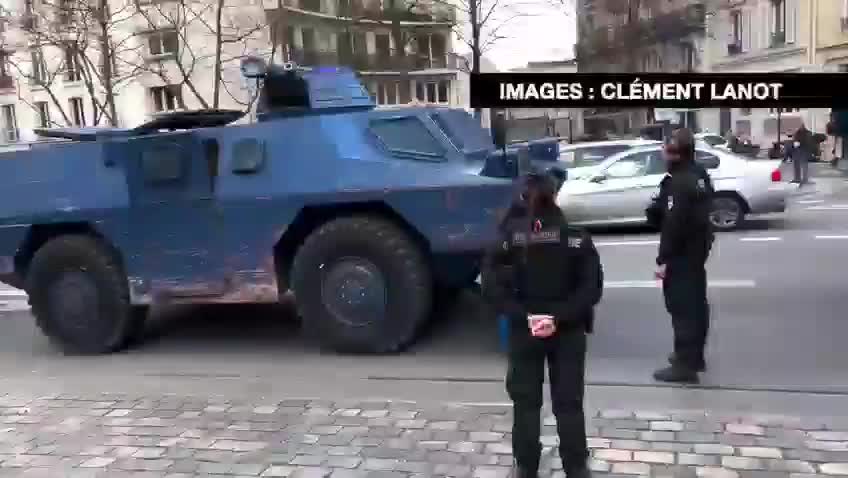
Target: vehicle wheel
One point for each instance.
(79, 296)
(362, 285)
(727, 213)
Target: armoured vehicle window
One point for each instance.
(248, 156)
(408, 136)
(444, 125)
(463, 130)
(163, 164)
(707, 160)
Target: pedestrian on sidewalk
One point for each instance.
(682, 211)
(546, 276)
(801, 152)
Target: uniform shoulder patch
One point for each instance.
(575, 241)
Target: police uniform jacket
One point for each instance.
(540, 265)
(682, 211)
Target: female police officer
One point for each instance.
(546, 276)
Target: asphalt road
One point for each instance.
(777, 289)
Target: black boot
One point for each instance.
(583, 472)
(702, 365)
(676, 374)
(524, 472)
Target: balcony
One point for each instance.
(358, 13)
(667, 27)
(373, 62)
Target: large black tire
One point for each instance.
(375, 261)
(79, 296)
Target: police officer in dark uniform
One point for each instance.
(547, 278)
(682, 211)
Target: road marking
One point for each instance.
(628, 243)
(13, 305)
(760, 239)
(832, 207)
(811, 201)
(654, 284)
(12, 293)
(832, 237)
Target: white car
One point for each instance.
(582, 158)
(621, 187)
(713, 140)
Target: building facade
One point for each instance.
(536, 123)
(638, 36)
(166, 55)
(761, 36)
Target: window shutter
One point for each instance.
(746, 31)
(766, 22)
(791, 20)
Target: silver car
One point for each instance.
(582, 158)
(620, 188)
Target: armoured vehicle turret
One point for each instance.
(364, 214)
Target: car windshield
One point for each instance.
(580, 157)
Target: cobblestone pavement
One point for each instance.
(122, 436)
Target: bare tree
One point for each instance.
(196, 43)
(484, 23)
(71, 41)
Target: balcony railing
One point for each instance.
(372, 62)
(361, 13)
(671, 26)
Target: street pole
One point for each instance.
(473, 6)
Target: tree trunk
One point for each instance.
(474, 6)
(219, 45)
(106, 49)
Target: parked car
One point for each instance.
(620, 188)
(583, 158)
(713, 140)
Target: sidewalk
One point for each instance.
(123, 436)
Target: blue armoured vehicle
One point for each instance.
(364, 214)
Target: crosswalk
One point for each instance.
(12, 299)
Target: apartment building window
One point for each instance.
(432, 51)
(164, 42)
(10, 124)
(72, 65)
(42, 110)
(29, 21)
(737, 25)
(778, 26)
(166, 98)
(77, 111)
(433, 91)
(39, 71)
(388, 93)
(4, 64)
(844, 18)
(311, 5)
(843, 68)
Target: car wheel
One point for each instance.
(80, 297)
(727, 213)
(362, 285)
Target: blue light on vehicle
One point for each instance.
(327, 69)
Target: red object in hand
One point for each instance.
(776, 176)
